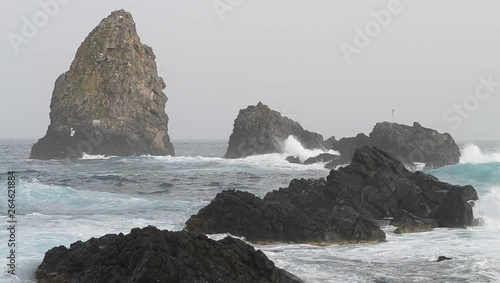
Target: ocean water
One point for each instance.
(60, 202)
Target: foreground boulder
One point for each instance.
(268, 221)
(151, 255)
(409, 144)
(260, 130)
(111, 101)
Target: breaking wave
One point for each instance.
(474, 155)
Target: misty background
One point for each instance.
(285, 53)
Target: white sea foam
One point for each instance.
(473, 154)
(95, 157)
(488, 208)
(292, 147)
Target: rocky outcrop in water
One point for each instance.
(322, 158)
(380, 186)
(409, 144)
(260, 130)
(269, 220)
(151, 255)
(342, 208)
(111, 101)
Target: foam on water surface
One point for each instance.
(474, 155)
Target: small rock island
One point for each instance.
(408, 144)
(260, 130)
(111, 101)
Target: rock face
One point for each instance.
(260, 130)
(343, 208)
(111, 97)
(409, 144)
(151, 255)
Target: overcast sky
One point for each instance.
(426, 62)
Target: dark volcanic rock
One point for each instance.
(266, 221)
(416, 144)
(329, 142)
(260, 130)
(293, 159)
(409, 223)
(455, 211)
(151, 255)
(112, 97)
(343, 208)
(443, 258)
(347, 146)
(380, 186)
(409, 144)
(324, 157)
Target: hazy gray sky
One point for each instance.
(286, 53)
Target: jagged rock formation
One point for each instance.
(268, 220)
(151, 255)
(260, 130)
(409, 144)
(380, 186)
(342, 208)
(111, 98)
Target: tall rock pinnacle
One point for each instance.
(111, 101)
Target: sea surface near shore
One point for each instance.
(60, 202)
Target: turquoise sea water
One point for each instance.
(59, 202)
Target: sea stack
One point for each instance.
(261, 130)
(111, 101)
